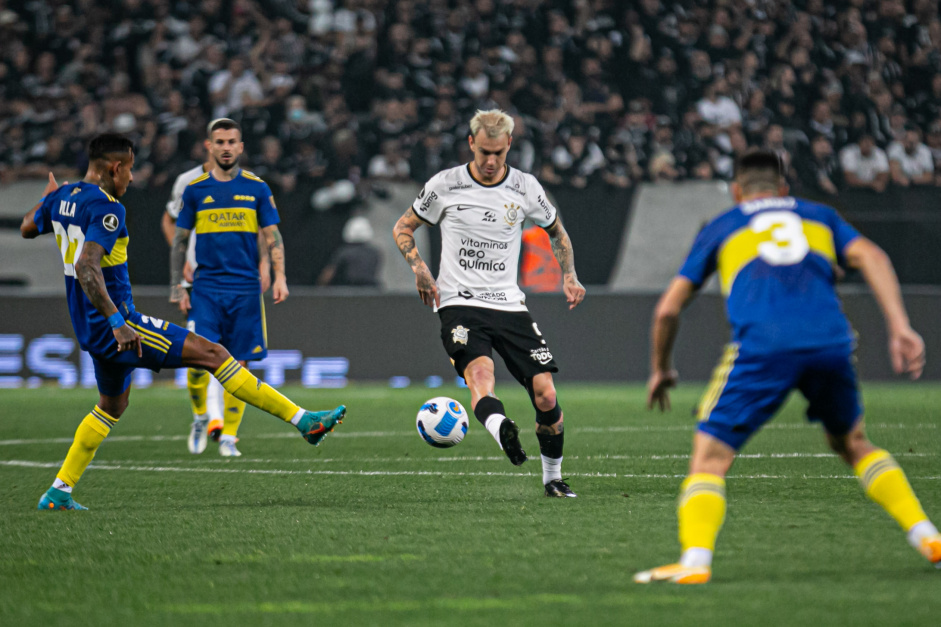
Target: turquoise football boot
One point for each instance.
(55, 499)
(315, 425)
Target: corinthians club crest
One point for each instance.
(512, 213)
(459, 335)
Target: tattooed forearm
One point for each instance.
(178, 255)
(404, 238)
(276, 250)
(562, 247)
(88, 273)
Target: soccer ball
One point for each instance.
(442, 422)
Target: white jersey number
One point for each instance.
(788, 244)
(70, 244)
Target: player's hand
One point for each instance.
(128, 340)
(574, 291)
(188, 273)
(280, 290)
(181, 297)
(427, 288)
(658, 386)
(907, 351)
(51, 185)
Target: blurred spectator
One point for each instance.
(819, 170)
(357, 261)
(933, 141)
(910, 161)
(717, 108)
(576, 161)
(234, 88)
(274, 166)
(389, 164)
(865, 165)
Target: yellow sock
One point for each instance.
(234, 410)
(243, 385)
(701, 510)
(886, 484)
(197, 382)
(90, 434)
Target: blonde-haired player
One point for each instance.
(480, 208)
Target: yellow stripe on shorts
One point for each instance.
(156, 337)
(720, 377)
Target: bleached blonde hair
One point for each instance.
(493, 123)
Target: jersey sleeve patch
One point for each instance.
(429, 204)
(540, 209)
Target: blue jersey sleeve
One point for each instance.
(43, 215)
(105, 223)
(267, 211)
(187, 217)
(701, 261)
(843, 233)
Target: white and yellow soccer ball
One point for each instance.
(442, 422)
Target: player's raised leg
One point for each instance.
(885, 483)
(550, 433)
(489, 409)
(700, 514)
(91, 432)
(239, 382)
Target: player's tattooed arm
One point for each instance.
(177, 260)
(88, 273)
(275, 244)
(404, 233)
(562, 249)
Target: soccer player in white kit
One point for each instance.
(480, 208)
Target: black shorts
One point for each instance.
(472, 332)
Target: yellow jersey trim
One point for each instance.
(227, 220)
(118, 254)
(741, 248)
(251, 176)
(107, 195)
(200, 178)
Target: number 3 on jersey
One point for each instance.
(70, 244)
(788, 244)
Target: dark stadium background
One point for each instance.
(347, 102)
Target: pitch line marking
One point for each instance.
(435, 460)
(389, 434)
(21, 463)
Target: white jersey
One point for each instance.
(175, 204)
(481, 230)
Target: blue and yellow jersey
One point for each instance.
(79, 213)
(227, 216)
(775, 261)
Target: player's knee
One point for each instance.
(216, 355)
(545, 400)
(113, 406)
(478, 374)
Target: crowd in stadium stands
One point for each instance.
(351, 93)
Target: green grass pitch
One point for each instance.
(376, 527)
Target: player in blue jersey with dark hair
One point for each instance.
(227, 207)
(88, 221)
(777, 257)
